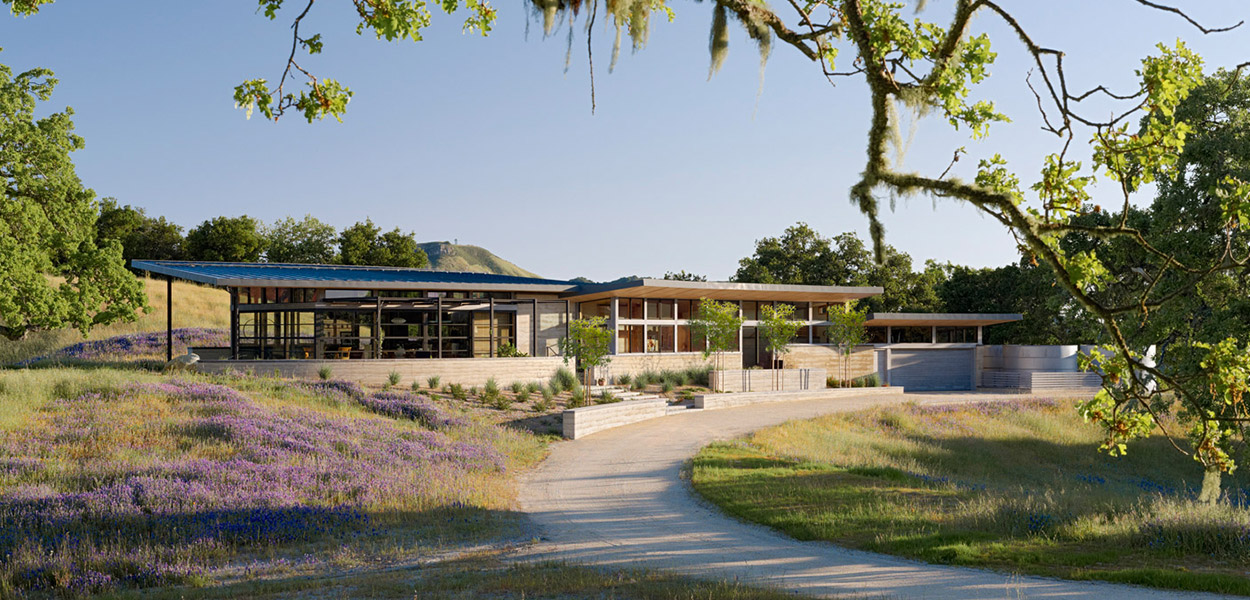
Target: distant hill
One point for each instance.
(446, 256)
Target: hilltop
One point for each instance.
(446, 256)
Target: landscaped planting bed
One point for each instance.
(1018, 486)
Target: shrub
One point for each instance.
(432, 381)
(517, 386)
(492, 396)
(564, 379)
(507, 350)
(473, 391)
(532, 387)
(543, 404)
(687, 395)
(607, 398)
(393, 378)
(668, 387)
(325, 372)
(623, 379)
(869, 380)
(416, 385)
(548, 394)
(578, 398)
(639, 384)
(523, 395)
(457, 392)
(698, 375)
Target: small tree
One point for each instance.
(718, 323)
(846, 331)
(777, 329)
(588, 344)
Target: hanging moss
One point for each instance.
(718, 41)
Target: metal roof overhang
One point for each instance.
(343, 279)
(939, 319)
(718, 290)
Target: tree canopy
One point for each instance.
(232, 239)
(365, 244)
(53, 273)
(308, 240)
(802, 256)
(141, 236)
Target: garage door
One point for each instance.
(932, 370)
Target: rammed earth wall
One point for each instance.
(465, 371)
(819, 356)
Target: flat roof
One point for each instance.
(719, 290)
(234, 274)
(939, 319)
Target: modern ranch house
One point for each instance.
(368, 322)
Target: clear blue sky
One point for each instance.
(489, 141)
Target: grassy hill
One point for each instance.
(194, 306)
(446, 256)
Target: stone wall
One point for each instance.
(465, 371)
(715, 401)
(633, 364)
(821, 356)
(760, 380)
(580, 422)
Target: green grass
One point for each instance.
(194, 306)
(1021, 489)
(482, 576)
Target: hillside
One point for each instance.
(446, 256)
(194, 306)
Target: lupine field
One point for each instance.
(187, 481)
(1017, 486)
(134, 346)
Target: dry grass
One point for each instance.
(194, 306)
(1013, 486)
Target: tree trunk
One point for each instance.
(1210, 493)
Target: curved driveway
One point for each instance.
(619, 498)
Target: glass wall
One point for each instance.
(911, 335)
(343, 324)
(957, 335)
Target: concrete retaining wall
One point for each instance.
(764, 380)
(465, 371)
(1050, 359)
(1032, 381)
(716, 401)
(580, 422)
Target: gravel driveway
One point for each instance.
(620, 498)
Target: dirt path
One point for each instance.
(619, 498)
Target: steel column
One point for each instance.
(169, 318)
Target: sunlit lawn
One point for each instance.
(1018, 487)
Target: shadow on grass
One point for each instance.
(1079, 515)
(95, 554)
(480, 576)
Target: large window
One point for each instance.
(630, 308)
(277, 335)
(689, 341)
(659, 310)
(660, 338)
(911, 335)
(957, 335)
(600, 308)
(629, 339)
